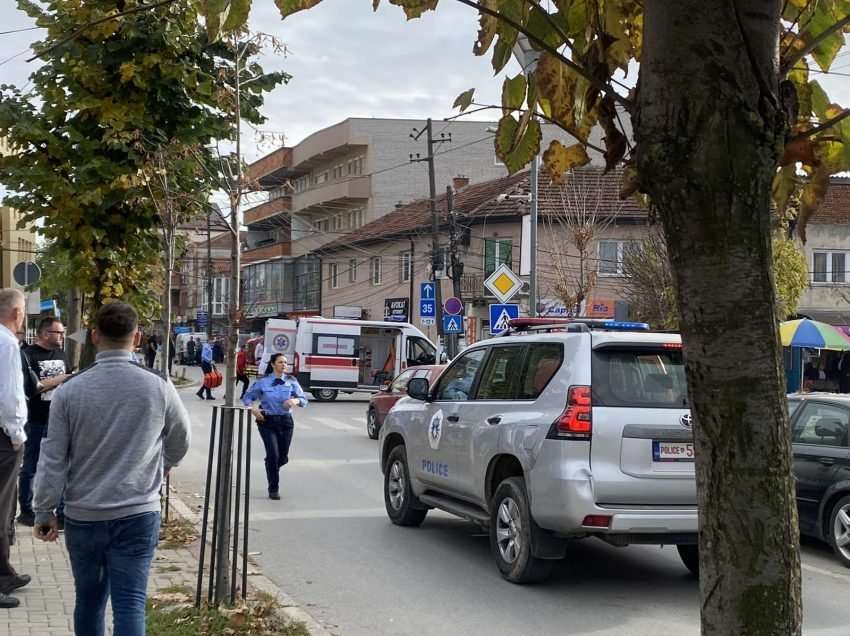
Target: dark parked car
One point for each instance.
(819, 424)
(382, 401)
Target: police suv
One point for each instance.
(562, 429)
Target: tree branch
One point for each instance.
(85, 27)
(602, 86)
(811, 46)
(844, 114)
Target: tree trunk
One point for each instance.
(73, 325)
(708, 133)
(165, 348)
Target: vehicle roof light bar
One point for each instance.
(528, 324)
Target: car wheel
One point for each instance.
(690, 557)
(510, 534)
(839, 530)
(324, 395)
(403, 507)
(372, 427)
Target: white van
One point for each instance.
(329, 355)
(180, 341)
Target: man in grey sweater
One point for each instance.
(114, 430)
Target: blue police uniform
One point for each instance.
(276, 430)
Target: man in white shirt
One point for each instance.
(13, 419)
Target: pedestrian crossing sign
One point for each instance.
(500, 316)
(452, 324)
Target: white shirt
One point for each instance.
(258, 352)
(13, 400)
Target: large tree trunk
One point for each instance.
(73, 324)
(708, 133)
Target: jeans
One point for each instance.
(112, 559)
(10, 463)
(243, 378)
(276, 432)
(32, 449)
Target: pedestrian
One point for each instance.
(241, 370)
(170, 355)
(206, 367)
(218, 351)
(150, 351)
(45, 368)
(13, 419)
(108, 449)
(259, 350)
(272, 399)
(190, 351)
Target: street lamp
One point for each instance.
(527, 57)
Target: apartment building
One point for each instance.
(337, 181)
(16, 244)
(379, 267)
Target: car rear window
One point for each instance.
(642, 377)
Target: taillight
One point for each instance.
(296, 363)
(596, 521)
(671, 345)
(575, 422)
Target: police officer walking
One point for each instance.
(277, 394)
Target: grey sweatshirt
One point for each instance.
(112, 429)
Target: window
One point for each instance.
(334, 275)
(458, 380)
(496, 252)
(500, 379)
(405, 267)
(375, 270)
(334, 345)
(399, 385)
(420, 351)
(541, 364)
(821, 424)
(793, 405)
(638, 378)
(221, 295)
(352, 270)
(830, 267)
(612, 255)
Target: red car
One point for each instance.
(381, 402)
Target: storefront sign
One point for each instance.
(348, 311)
(397, 309)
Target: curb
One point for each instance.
(289, 606)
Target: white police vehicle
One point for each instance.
(562, 429)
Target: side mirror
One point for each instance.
(443, 357)
(418, 389)
(385, 387)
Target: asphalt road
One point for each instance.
(329, 544)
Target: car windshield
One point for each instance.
(639, 377)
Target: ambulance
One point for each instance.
(329, 355)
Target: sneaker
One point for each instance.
(19, 581)
(8, 602)
(26, 518)
(274, 495)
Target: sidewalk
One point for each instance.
(47, 603)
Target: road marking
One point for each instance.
(824, 572)
(336, 424)
(344, 513)
(329, 463)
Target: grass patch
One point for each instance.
(170, 613)
(177, 533)
(178, 381)
(163, 569)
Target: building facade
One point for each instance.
(16, 244)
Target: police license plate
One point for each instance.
(672, 451)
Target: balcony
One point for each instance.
(267, 210)
(472, 286)
(345, 191)
(268, 170)
(266, 252)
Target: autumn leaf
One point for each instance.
(487, 30)
(464, 100)
(813, 193)
(517, 147)
(415, 8)
(559, 159)
(513, 93)
(288, 7)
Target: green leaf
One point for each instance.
(822, 19)
(288, 7)
(513, 93)
(820, 100)
(517, 148)
(415, 8)
(539, 26)
(237, 15)
(464, 100)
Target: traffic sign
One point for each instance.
(201, 318)
(427, 303)
(26, 273)
(453, 306)
(452, 324)
(503, 283)
(499, 317)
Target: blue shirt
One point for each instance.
(206, 353)
(272, 392)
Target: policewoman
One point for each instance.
(272, 399)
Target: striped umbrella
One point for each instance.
(812, 334)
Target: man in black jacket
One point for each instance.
(45, 368)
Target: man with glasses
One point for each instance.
(45, 368)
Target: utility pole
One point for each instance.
(436, 255)
(209, 281)
(532, 279)
(456, 271)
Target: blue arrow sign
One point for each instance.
(452, 324)
(427, 291)
(499, 317)
(427, 304)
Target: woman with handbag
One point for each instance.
(271, 399)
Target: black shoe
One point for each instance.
(200, 395)
(210, 398)
(26, 518)
(274, 495)
(8, 602)
(60, 524)
(19, 581)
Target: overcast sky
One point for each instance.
(347, 61)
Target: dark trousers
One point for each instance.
(10, 465)
(206, 367)
(276, 432)
(32, 451)
(243, 378)
(111, 559)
